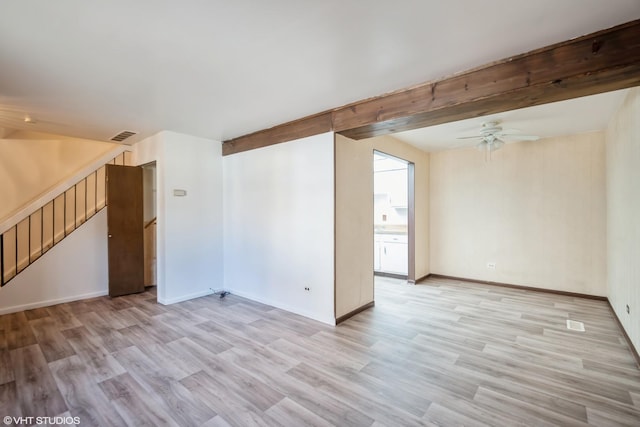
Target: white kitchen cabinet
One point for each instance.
(394, 258)
(391, 254)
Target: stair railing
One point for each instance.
(28, 240)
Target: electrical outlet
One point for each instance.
(491, 265)
(307, 288)
(628, 311)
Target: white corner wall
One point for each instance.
(189, 230)
(623, 214)
(75, 268)
(279, 226)
(537, 210)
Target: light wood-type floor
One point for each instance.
(439, 353)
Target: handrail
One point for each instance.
(150, 252)
(150, 223)
(9, 220)
(31, 237)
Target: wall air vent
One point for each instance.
(123, 135)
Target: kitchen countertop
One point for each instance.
(389, 229)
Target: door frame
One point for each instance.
(411, 214)
(145, 166)
(411, 219)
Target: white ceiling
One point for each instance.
(220, 69)
(574, 116)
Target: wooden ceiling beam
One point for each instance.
(599, 62)
(307, 126)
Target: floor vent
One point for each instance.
(123, 135)
(575, 326)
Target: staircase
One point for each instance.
(34, 235)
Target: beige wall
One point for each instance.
(149, 192)
(32, 163)
(623, 214)
(353, 224)
(537, 210)
(354, 216)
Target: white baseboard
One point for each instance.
(47, 303)
(323, 319)
(276, 304)
(187, 297)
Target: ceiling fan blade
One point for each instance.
(469, 137)
(510, 131)
(521, 137)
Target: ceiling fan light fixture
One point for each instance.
(492, 134)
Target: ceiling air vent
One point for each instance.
(123, 135)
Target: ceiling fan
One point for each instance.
(492, 136)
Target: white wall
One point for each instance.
(193, 247)
(189, 230)
(279, 225)
(623, 214)
(537, 210)
(75, 268)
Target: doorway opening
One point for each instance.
(149, 196)
(393, 209)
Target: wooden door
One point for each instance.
(125, 230)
